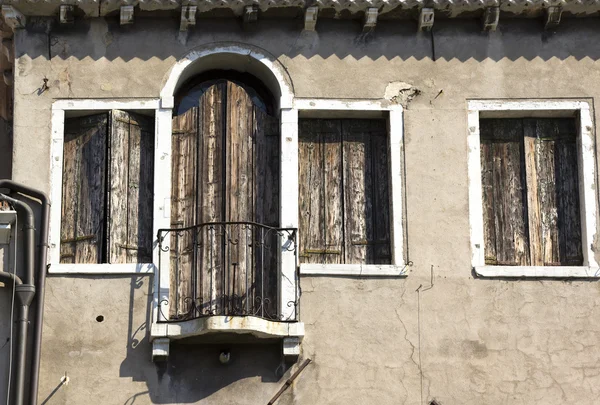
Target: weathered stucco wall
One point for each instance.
(439, 333)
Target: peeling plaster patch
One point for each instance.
(24, 65)
(401, 93)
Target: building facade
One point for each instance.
(402, 192)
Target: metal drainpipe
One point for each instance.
(24, 294)
(41, 281)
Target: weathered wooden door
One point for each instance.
(225, 170)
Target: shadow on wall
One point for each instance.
(193, 371)
(459, 39)
(5, 149)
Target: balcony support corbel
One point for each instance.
(67, 14)
(426, 18)
(291, 349)
(188, 17)
(370, 19)
(126, 15)
(553, 15)
(310, 18)
(491, 16)
(160, 349)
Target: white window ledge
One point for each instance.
(356, 270)
(538, 271)
(102, 269)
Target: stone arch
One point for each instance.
(234, 56)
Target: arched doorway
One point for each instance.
(224, 198)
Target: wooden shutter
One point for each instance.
(530, 192)
(84, 189)
(183, 207)
(366, 185)
(131, 179)
(343, 196)
(553, 192)
(504, 192)
(320, 191)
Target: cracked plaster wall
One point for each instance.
(372, 341)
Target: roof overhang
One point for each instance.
(385, 8)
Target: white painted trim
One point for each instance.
(102, 269)
(162, 209)
(587, 185)
(345, 104)
(288, 211)
(106, 104)
(270, 62)
(538, 271)
(357, 270)
(526, 105)
(396, 151)
(56, 173)
(59, 107)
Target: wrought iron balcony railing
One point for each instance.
(225, 268)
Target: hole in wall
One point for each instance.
(100, 318)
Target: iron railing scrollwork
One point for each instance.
(225, 268)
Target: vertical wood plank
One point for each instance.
(119, 166)
(382, 253)
(266, 200)
(332, 227)
(558, 188)
(311, 192)
(533, 201)
(508, 189)
(489, 208)
(84, 192)
(140, 189)
(183, 207)
(211, 194)
(239, 194)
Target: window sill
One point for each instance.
(102, 269)
(538, 271)
(355, 270)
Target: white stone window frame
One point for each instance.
(582, 111)
(59, 112)
(357, 108)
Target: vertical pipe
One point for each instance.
(41, 282)
(262, 271)
(21, 355)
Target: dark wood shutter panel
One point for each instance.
(84, 189)
(321, 192)
(530, 192)
(131, 174)
(183, 206)
(210, 192)
(553, 187)
(366, 185)
(504, 190)
(344, 192)
(266, 200)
